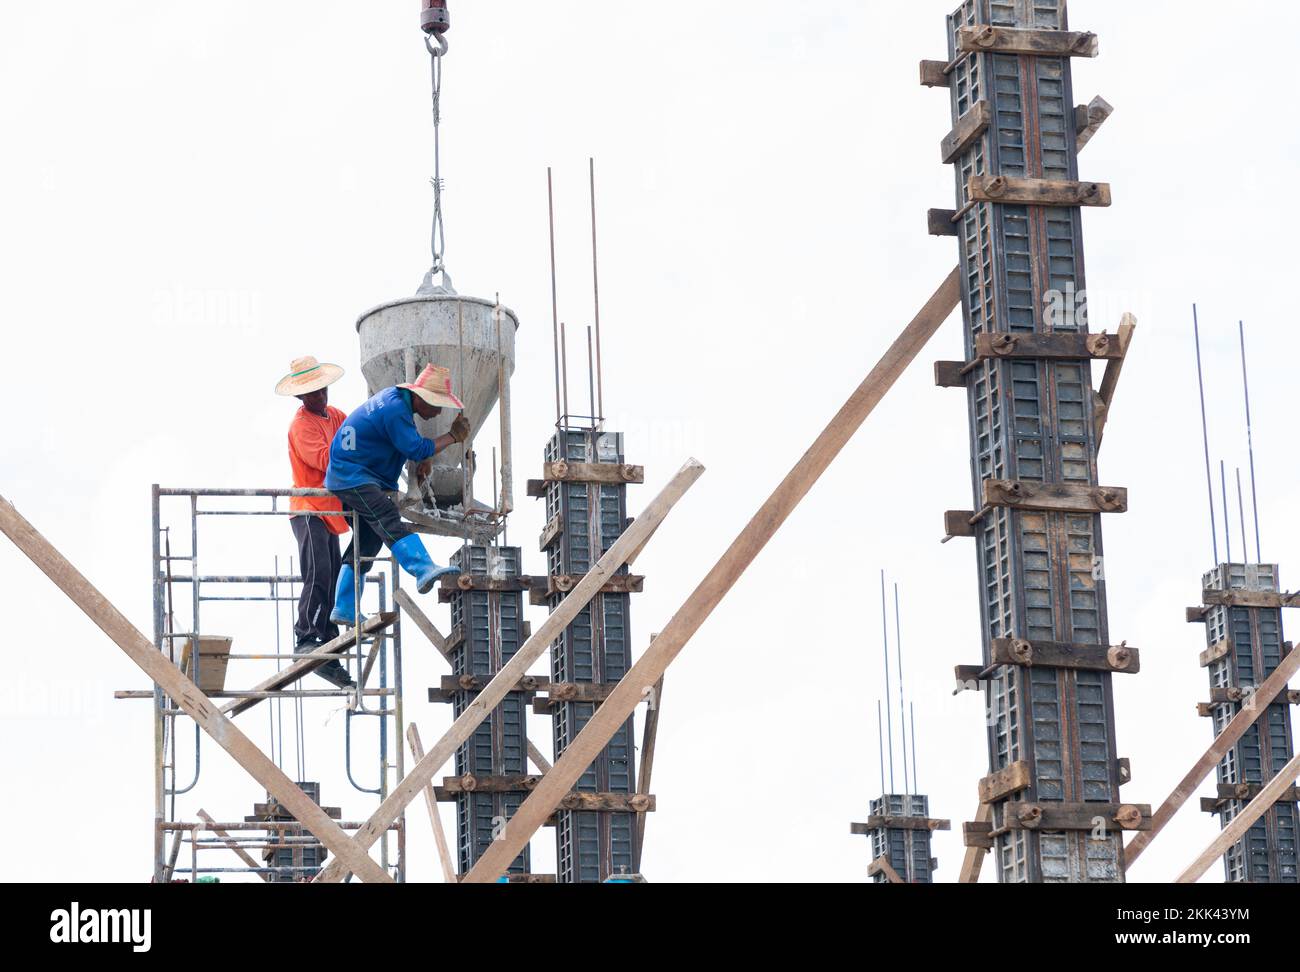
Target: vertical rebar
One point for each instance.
(1250, 444)
(1241, 506)
(595, 281)
(889, 723)
(916, 786)
(1227, 524)
(1205, 433)
(902, 708)
(591, 381)
(555, 305)
(880, 733)
(564, 370)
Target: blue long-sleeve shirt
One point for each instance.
(375, 442)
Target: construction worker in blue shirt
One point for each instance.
(366, 458)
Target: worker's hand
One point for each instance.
(423, 471)
(460, 428)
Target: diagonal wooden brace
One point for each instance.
(187, 695)
(647, 671)
(508, 677)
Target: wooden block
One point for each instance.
(1058, 817)
(968, 678)
(1124, 770)
(1053, 654)
(578, 691)
(1205, 710)
(536, 488)
(939, 222)
(1012, 191)
(1219, 696)
(1196, 615)
(1216, 651)
(948, 374)
(1026, 40)
(618, 584)
(1055, 497)
(1060, 346)
(934, 74)
(531, 878)
(1005, 782)
(214, 657)
(553, 530)
(1089, 118)
(592, 472)
(976, 834)
(957, 523)
(968, 130)
(1250, 599)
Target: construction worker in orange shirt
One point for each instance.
(310, 435)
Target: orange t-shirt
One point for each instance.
(310, 436)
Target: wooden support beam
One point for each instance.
(1089, 118)
(1054, 654)
(1013, 191)
(1243, 821)
(1196, 615)
(1110, 380)
(242, 854)
(968, 130)
(881, 865)
(481, 707)
(1059, 346)
(1251, 599)
(1055, 497)
(957, 523)
(611, 473)
(311, 661)
(552, 530)
(649, 736)
(721, 578)
(1229, 792)
(1005, 782)
(1026, 40)
(898, 823)
(431, 802)
(934, 74)
(974, 859)
(187, 695)
(1052, 817)
(1231, 735)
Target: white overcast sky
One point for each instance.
(193, 194)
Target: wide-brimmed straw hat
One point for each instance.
(307, 375)
(434, 386)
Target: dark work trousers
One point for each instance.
(318, 555)
(380, 525)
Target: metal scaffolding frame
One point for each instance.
(383, 660)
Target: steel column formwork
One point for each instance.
(591, 846)
(901, 837)
(1244, 646)
(488, 629)
(1032, 422)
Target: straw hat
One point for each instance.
(434, 386)
(307, 375)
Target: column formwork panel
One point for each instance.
(1032, 420)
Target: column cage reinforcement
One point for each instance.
(381, 699)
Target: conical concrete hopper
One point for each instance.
(400, 338)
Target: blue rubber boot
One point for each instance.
(415, 560)
(345, 600)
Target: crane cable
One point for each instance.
(436, 43)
